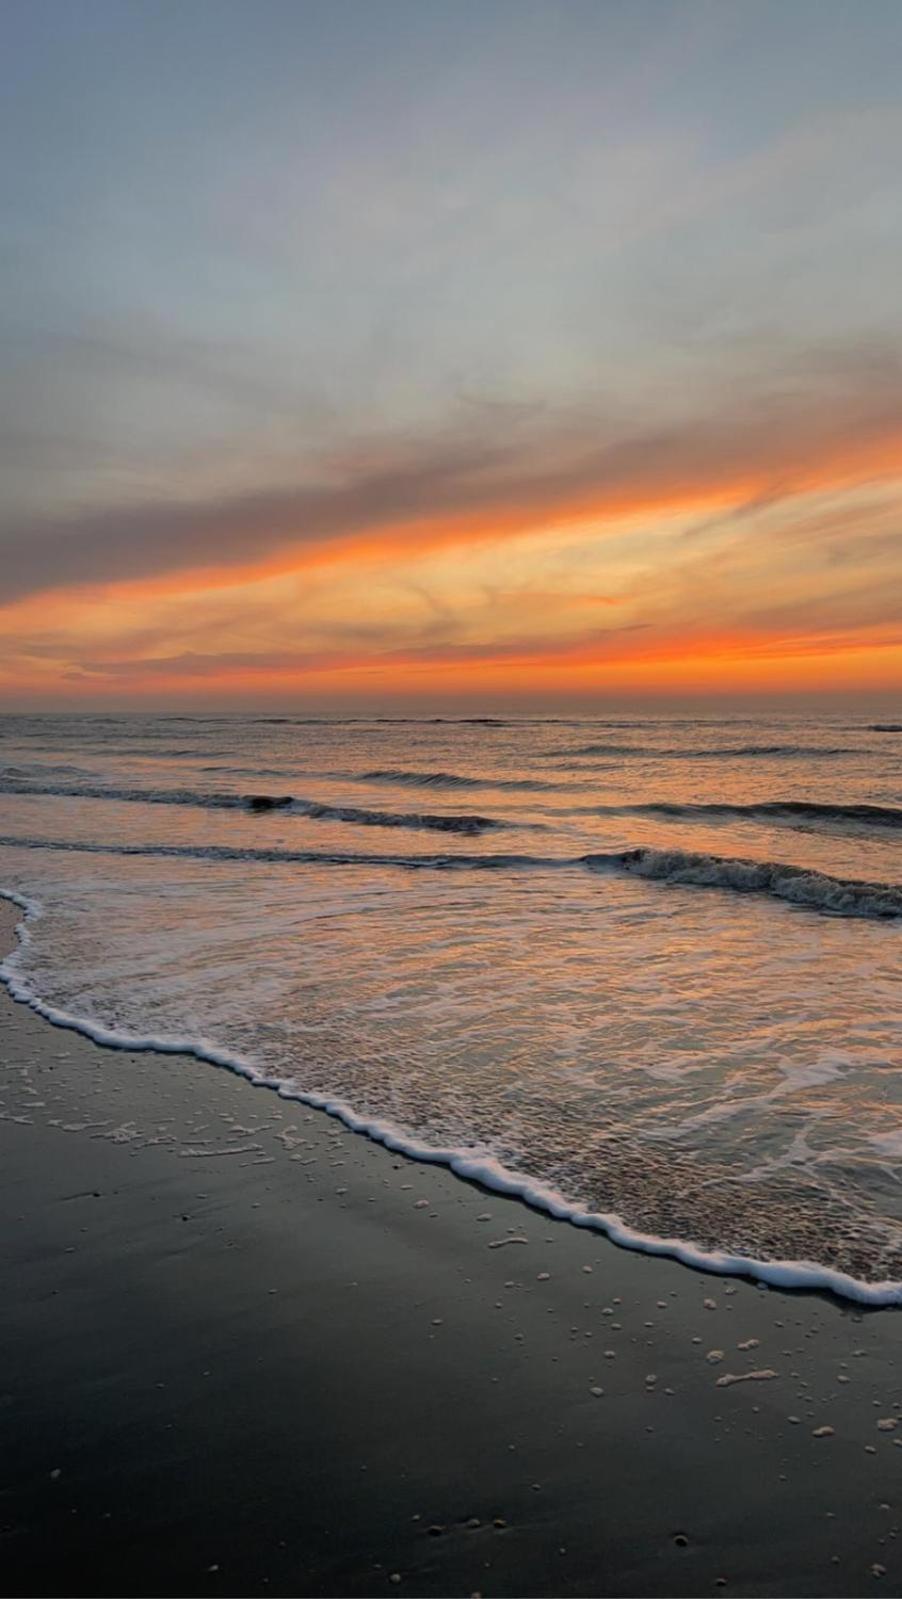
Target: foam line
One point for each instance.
(470, 1165)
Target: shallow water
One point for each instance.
(651, 967)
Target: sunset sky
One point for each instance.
(460, 353)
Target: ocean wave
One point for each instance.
(727, 752)
(796, 884)
(765, 810)
(41, 770)
(410, 779)
(471, 1165)
(314, 810)
(145, 796)
(290, 857)
(317, 810)
(156, 754)
(807, 889)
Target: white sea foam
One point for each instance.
(473, 1165)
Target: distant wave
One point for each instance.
(444, 780)
(40, 772)
(796, 884)
(766, 810)
(728, 752)
(145, 796)
(177, 754)
(468, 825)
(314, 810)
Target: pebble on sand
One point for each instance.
(499, 1243)
(887, 1424)
(822, 1432)
(714, 1356)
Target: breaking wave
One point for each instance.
(798, 885)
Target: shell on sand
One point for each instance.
(731, 1377)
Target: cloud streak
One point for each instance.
(820, 427)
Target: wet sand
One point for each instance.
(243, 1351)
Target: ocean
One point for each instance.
(642, 971)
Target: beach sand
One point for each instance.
(244, 1351)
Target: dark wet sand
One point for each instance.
(240, 1355)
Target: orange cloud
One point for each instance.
(466, 566)
(389, 502)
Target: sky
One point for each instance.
(521, 354)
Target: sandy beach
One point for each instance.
(244, 1351)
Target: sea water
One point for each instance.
(643, 971)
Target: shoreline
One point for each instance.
(246, 1352)
(486, 1174)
